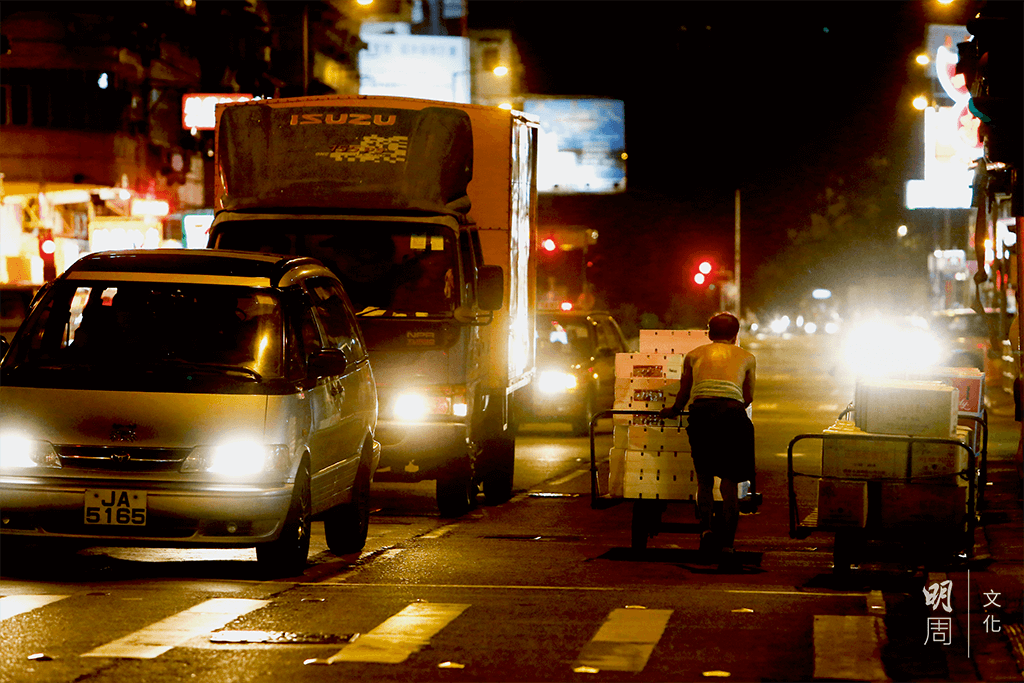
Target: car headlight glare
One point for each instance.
(18, 451)
(237, 458)
(556, 382)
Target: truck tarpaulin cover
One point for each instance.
(308, 157)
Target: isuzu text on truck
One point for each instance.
(426, 211)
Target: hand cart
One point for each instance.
(951, 536)
(647, 512)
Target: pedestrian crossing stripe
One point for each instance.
(848, 648)
(400, 635)
(625, 640)
(156, 639)
(845, 647)
(13, 605)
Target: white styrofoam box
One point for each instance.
(646, 389)
(655, 438)
(620, 436)
(672, 341)
(616, 471)
(661, 474)
(842, 503)
(621, 420)
(643, 405)
(653, 365)
(912, 407)
(929, 506)
(970, 382)
(941, 460)
(867, 458)
(863, 458)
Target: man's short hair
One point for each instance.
(723, 326)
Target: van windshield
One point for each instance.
(399, 268)
(207, 336)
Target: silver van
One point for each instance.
(190, 398)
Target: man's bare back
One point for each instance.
(720, 360)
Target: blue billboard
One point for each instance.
(582, 144)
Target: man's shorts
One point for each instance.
(721, 439)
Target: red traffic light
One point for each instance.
(47, 246)
(548, 244)
(699, 278)
(705, 267)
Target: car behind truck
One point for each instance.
(426, 212)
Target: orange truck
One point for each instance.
(427, 213)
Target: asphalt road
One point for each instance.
(542, 588)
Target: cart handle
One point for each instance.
(594, 495)
(791, 475)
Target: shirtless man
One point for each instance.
(719, 378)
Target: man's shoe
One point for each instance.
(728, 560)
(707, 542)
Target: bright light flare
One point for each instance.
(239, 458)
(810, 328)
(920, 103)
(500, 71)
(882, 348)
(779, 325)
(411, 407)
(704, 267)
(555, 382)
(18, 451)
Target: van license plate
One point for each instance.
(116, 507)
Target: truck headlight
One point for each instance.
(237, 458)
(425, 402)
(17, 451)
(556, 382)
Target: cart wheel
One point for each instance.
(845, 550)
(643, 523)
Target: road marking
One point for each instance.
(848, 648)
(439, 532)
(156, 639)
(400, 635)
(13, 605)
(568, 477)
(625, 640)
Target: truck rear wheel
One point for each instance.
(456, 489)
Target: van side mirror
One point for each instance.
(491, 288)
(328, 363)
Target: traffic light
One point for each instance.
(993, 68)
(47, 249)
(703, 274)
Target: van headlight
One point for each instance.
(556, 382)
(20, 452)
(237, 458)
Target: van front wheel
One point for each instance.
(287, 555)
(347, 525)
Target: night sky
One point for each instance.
(771, 98)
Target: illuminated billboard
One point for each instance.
(425, 67)
(581, 146)
(951, 142)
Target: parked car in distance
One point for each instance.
(575, 368)
(189, 398)
(966, 336)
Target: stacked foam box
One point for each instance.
(931, 495)
(913, 407)
(873, 459)
(650, 459)
(970, 383)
